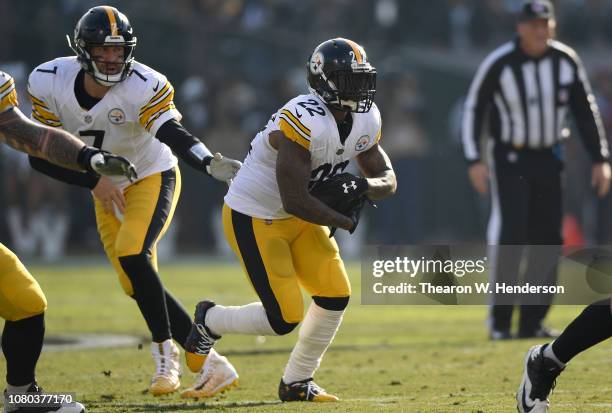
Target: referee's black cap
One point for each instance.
(536, 9)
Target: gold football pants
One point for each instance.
(281, 255)
(20, 295)
(150, 205)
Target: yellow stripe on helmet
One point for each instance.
(356, 49)
(112, 20)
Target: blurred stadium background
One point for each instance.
(234, 62)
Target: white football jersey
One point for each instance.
(124, 122)
(8, 95)
(307, 121)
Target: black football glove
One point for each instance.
(106, 164)
(344, 193)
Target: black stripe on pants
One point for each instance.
(247, 243)
(162, 209)
(149, 291)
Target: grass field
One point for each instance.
(384, 359)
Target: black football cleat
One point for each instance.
(539, 378)
(73, 407)
(200, 339)
(304, 391)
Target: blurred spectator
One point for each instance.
(592, 14)
(401, 221)
(603, 222)
(36, 209)
(460, 19)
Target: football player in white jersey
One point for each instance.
(278, 229)
(115, 103)
(22, 302)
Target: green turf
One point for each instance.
(384, 359)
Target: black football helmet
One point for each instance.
(340, 74)
(103, 26)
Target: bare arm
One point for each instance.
(52, 144)
(293, 175)
(376, 167)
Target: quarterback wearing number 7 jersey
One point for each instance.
(277, 226)
(115, 103)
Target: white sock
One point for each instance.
(16, 389)
(316, 334)
(548, 353)
(245, 319)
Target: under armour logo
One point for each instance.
(346, 187)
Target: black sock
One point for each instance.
(592, 326)
(180, 320)
(21, 344)
(149, 294)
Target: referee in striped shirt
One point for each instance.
(519, 98)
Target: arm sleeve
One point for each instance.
(184, 144)
(586, 113)
(68, 176)
(476, 103)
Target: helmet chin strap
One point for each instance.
(99, 77)
(104, 79)
(351, 104)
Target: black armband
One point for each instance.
(68, 176)
(186, 146)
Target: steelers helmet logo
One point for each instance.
(316, 63)
(116, 116)
(362, 143)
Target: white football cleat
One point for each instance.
(539, 377)
(217, 376)
(167, 368)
